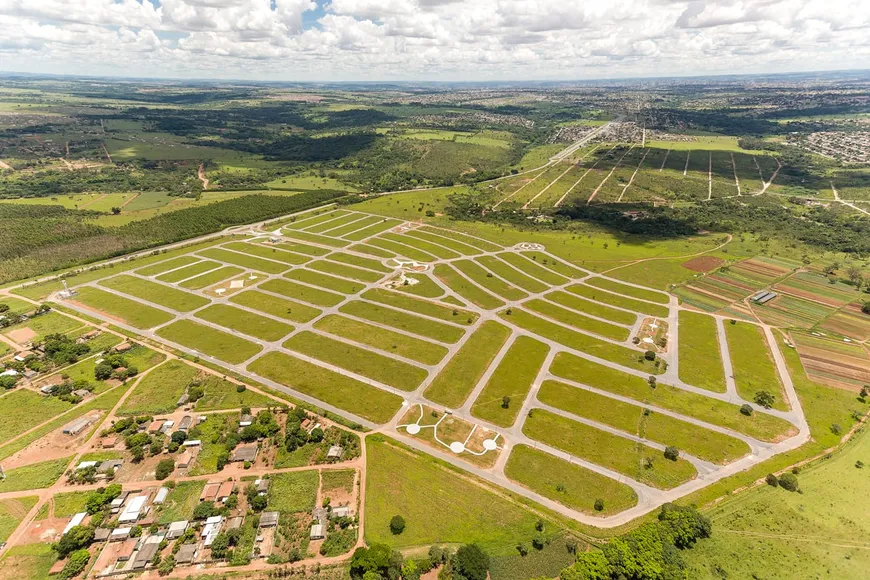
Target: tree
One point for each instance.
(316, 435)
(771, 480)
(505, 402)
(765, 399)
(103, 371)
(746, 409)
(77, 562)
(179, 437)
(588, 566)
(164, 468)
(684, 525)
(204, 510)
(650, 355)
(599, 505)
(219, 546)
(7, 382)
(116, 210)
(166, 566)
(397, 525)
(788, 481)
(471, 562)
(672, 453)
(378, 559)
(77, 538)
(866, 308)
(258, 503)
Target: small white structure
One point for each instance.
(75, 521)
(161, 495)
(176, 529)
(133, 510)
(120, 534)
(192, 443)
(211, 529)
(86, 464)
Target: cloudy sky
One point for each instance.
(338, 40)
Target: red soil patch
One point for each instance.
(22, 335)
(703, 263)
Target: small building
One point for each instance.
(125, 550)
(133, 510)
(75, 521)
(335, 453)
(321, 515)
(81, 393)
(110, 466)
(318, 532)
(29, 373)
(262, 486)
(186, 554)
(182, 400)
(225, 491)
(269, 519)
(235, 523)
(86, 465)
(245, 453)
(77, 426)
(9, 373)
(209, 492)
(123, 347)
(120, 534)
(22, 356)
(342, 511)
(183, 460)
(91, 334)
(161, 495)
(108, 442)
(167, 426)
(155, 426)
(246, 421)
(102, 534)
(145, 555)
(186, 423)
(211, 529)
(192, 443)
(176, 529)
(47, 389)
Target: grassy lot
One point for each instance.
(819, 533)
(485, 279)
(158, 391)
(34, 476)
(372, 251)
(207, 340)
(212, 277)
(360, 262)
(188, 271)
(372, 230)
(425, 287)
(69, 504)
(139, 356)
(576, 320)
(346, 271)
(426, 246)
(269, 253)
(759, 425)
(512, 378)
(358, 360)
(613, 352)
(754, 369)
(403, 321)
(301, 248)
(343, 392)
(335, 222)
(244, 260)
(275, 306)
(652, 296)
(447, 242)
(420, 306)
(313, 218)
(23, 409)
(316, 239)
(156, 293)
(400, 249)
(559, 267)
(28, 562)
(567, 483)
(220, 395)
(12, 511)
(45, 324)
(325, 281)
(360, 224)
(518, 279)
(294, 492)
(245, 322)
(180, 502)
(700, 363)
(167, 265)
(453, 385)
(589, 307)
(415, 486)
(210, 433)
(533, 269)
(300, 292)
(385, 340)
(449, 276)
(547, 562)
(337, 480)
(700, 442)
(615, 300)
(611, 451)
(130, 311)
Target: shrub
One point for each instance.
(77, 538)
(397, 525)
(788, 481)
(522, 549)
(672, 453)
(859, 464)
(746, 410)
(650, 355)
(241, 388)
(77, 562)
(836, 429)
(164, 468)
(472, 563)
(771, 480)
(765, 399)
(599, 505)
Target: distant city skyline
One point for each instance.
(431, 40)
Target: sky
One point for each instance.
(431, 40)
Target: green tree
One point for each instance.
(765, 399)
(788, 481)
(77, 538)
(471, 562)
(77, 562)
(672, 453)
(397, 525)
(164, 468)
(588, 566)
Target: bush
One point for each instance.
(650, 355)
(788, 481)
(164, 468)
(765, 399)
(746, 410)
(77, 538)
(672, 453)
(472, 563)
(599, 505)
(397, 525)
(771, 480)
(241, 388)
(77, 562)
(836, 429)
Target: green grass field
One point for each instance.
(432, 248)
(188, 271)
(700, 361)
(754, 369)
(357, 360)
(167, 265)
(700, 442)
(422, 307)
(337, 480)
(247, 261)
(345, 271)
(619, 301)
(415, 486)
(382, 339)
(28, 562)
(181, 502)
(607, 450)
(578, 321)
(155, 293)
(468, 291)
(222, 345)
(211, 278)
(267, 252)
(34, 476)
(130, 311)
(512, 378)
(45, 324)
(400, 249)
(567, 483)
(12, 511)
(158, 391)
(403, 321)
(280, 307)
(221, 395)
(453, 385)
(23, 409)
(245, 322)
(294, 492)
(68, 504)
(325, 281)
(650, 295)
(343, 392)
(361, 262)
(518, 279)
(445, 241)
(301, 292)
(533, 269)
(574, 302)
(486, 280)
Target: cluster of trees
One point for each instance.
(64, 391)
(380, 562)
(294, 435)
(61, 349)
(110, 368)
(651, 552)
(263, 425)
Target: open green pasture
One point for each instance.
(334, 222)
(45, 324)
(280, 307)
(511, 275)
(167, 265)
(700, 362)
(325, 281)
(267, 252)
(207, 340)
(247, 261)
(453, 385)
(567, 483)
(400, 249)
(211, 278)
(301, 292)
(442, 240)
(423, 307)
(313, 218)
(294, 492)
(403, 321)
(360, 262)
(614, 300)
(532, 269)
(513, 379)
(702, 443)
(483, 278)
(611, 451)
(23, 409)
(34, 476)
(382, 339)
(245, 322)
(577, 320)
(159, 390)
(155, 293)
(557, 266)
(583, 342)
(758, 425)
(345, 271)
(12, 511)
(618, 288)
(317, 239)
(364, 362)
(597, 309)
(754, 369)
(468, 291)
(433, 248)
(332, 388)
(188, 271)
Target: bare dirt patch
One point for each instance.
(22, 335)
(703, 263)
(55, 445)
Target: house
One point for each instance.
(81, 393)
(246, 421)
(120, 534)
(318, 532)
(125, 550)
(186, 554)
(75, 521)
(176, 529)
(335, 453)
(46, 389)
(167, 426)
(225, 491)
(86, 465)
(21, 356)
(108, 442)
(245, 453)
(269, 519)
(262, 486)
(77, 426)
(211, 529)
(123, 347)
(342, 511)
(182, 400)
(116, 503)
(29, 373)
(183, 460)
(155, 426)
(186, 423)
(209, 492)
(102, 534)
(133, 510)
(320, 515)
(90, 334)
(110, 466)
(9, 373)
(145, 555)
(235, 523)
(192, 443)
(161, 495)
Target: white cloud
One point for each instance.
(430, 39)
